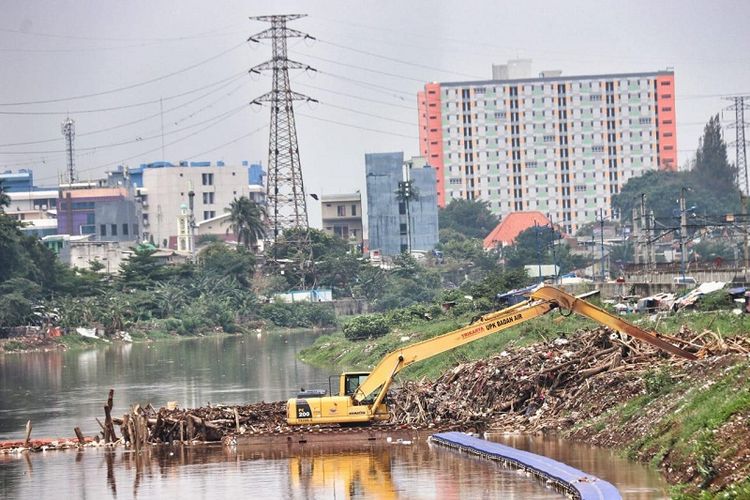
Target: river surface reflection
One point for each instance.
(61, 390)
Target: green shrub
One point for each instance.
(658, 382)
(713, 301)
(415, 312)
(299, 314)
(366, 326)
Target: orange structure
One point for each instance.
(666, 123)
(431, 133)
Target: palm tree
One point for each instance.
(4, 198)
(246, 221)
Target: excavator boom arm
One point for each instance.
(486, 325)
(542, 301)
(580, 306)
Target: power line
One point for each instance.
(362, 68)
(364, 113)
(128, 87)
(232, 78)
(142, 153)
(205, 34)
(359, 127)
(132, 141)
(145, 118)
(353, 96)
(400, 61)
(370, 86)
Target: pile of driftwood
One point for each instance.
(147, 425)
(539, 387)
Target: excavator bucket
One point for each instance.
(566, 301)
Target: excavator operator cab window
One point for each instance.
(352, 381)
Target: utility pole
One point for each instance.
(636, 236)
(191, 221)
(647, 223)
(538, 252)
(285, 192)
(69, 132)
(739, 106)
(651, 240)
(601, 238)
(683, 233)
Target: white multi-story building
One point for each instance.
(562, 145)
(164, 188)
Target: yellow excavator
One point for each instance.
(361, 395)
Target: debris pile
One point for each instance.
(550, 385)
(209, 423)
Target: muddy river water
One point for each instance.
(61, 390)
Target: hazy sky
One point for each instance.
(372, 58)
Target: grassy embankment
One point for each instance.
(335, 350)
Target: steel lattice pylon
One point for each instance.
(739, 106)
(285, 191)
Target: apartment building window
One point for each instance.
(102, 230)
(208, 198)
(125, 229)
(208, 179)
(402, 228)
(113, 229)
(354, 210)
(341, 210)
(209, 214)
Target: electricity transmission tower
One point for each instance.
(68, 128)
(739, 106)
(285, 192)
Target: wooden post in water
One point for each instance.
(28, 434)
(125, 429)
(109, 429)
(79, 435)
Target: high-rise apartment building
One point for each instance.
(562, 145)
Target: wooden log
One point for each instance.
(109, 428)
(190, 427)
(125, 428)
(144, 431)
(79, 435)
(28, 434)
(133, 429)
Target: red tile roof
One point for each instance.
(511, 225)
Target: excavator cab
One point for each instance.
(350, 381)
(314, 407)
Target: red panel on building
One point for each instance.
(666, 122)
(431, 134)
